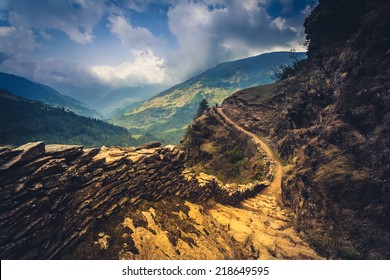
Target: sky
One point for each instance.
(86, 48)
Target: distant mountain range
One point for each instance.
(167, 115)
(23, 120)
(126, 99)
(35, 91)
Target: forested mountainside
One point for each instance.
(23, 120)
(35, 91)
(330, 123)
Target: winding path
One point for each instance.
(275, 187)
(262, 224)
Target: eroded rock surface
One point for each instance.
(51, 196)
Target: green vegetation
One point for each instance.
(22, 121)
(35, 91)
(214, 148)
(286, 71)
(203, 106)
(168, 114)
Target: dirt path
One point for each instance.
(275, 187)
(262, 224)
(259, 228)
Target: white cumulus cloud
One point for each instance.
(146, 68)
(132, 37)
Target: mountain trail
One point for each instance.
(275, 187)
(262, 224)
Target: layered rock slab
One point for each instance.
(52, 195)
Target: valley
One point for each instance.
(35, 91)
(24, 120)
(281, 165)
(167, 115)
(148, 113)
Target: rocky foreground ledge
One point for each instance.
(52, 195)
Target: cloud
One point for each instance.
(131, 37)
(192, 25)
(62, 72)
(45, 35)
(144, 5)
(146, 68)
(50, 71)
(6, 30)
(211, 31)
(203, 33)
(18, 42)
(279, 23)
(76, 18)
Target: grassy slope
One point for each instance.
(214, 147)
(168, 114)
(257, 95)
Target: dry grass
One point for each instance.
(257, 95)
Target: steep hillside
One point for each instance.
(167, 115)
(214, 147)
(23, 120)
(35, 91)
(330, 123)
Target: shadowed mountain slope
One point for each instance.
(35, 91)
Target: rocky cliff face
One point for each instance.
(331, 123)
(52, 195)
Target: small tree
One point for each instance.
(294, 56)
(203, 106)
(283, 72)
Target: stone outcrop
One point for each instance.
(203, 187)
(52, 195)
